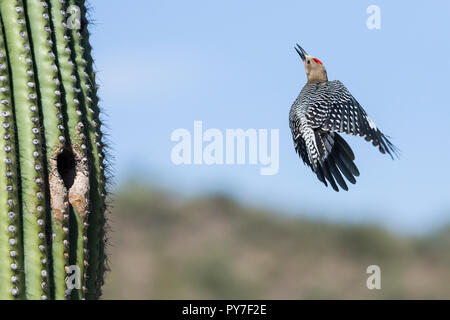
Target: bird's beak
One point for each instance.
(302, 53)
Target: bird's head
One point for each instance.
(315, 70)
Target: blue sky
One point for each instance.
(163, 64)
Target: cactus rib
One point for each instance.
(11, 257)
(84, 63)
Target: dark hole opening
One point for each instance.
(66, 165)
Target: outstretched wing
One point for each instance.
(334, 109)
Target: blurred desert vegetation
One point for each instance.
(164, 246)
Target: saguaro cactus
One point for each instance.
(52, 182)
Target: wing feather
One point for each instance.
(344, 114)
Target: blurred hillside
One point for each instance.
(162, 247)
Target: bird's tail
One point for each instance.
(336, 161)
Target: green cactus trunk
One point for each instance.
(52, 183)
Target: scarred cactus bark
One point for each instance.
(52, 182)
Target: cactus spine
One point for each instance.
(52, 197)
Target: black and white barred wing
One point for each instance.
(334, 109)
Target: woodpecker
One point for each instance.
(322, 110)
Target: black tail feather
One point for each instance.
(336, 173)
(329, 176)
(349, 164)
(344, 146)
(346, 171)
(337, 163)
(320, 176)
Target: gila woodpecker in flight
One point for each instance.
(322, 110)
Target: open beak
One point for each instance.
(302, 53)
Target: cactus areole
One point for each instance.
(52, 183)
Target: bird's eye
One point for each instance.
(309, 62)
